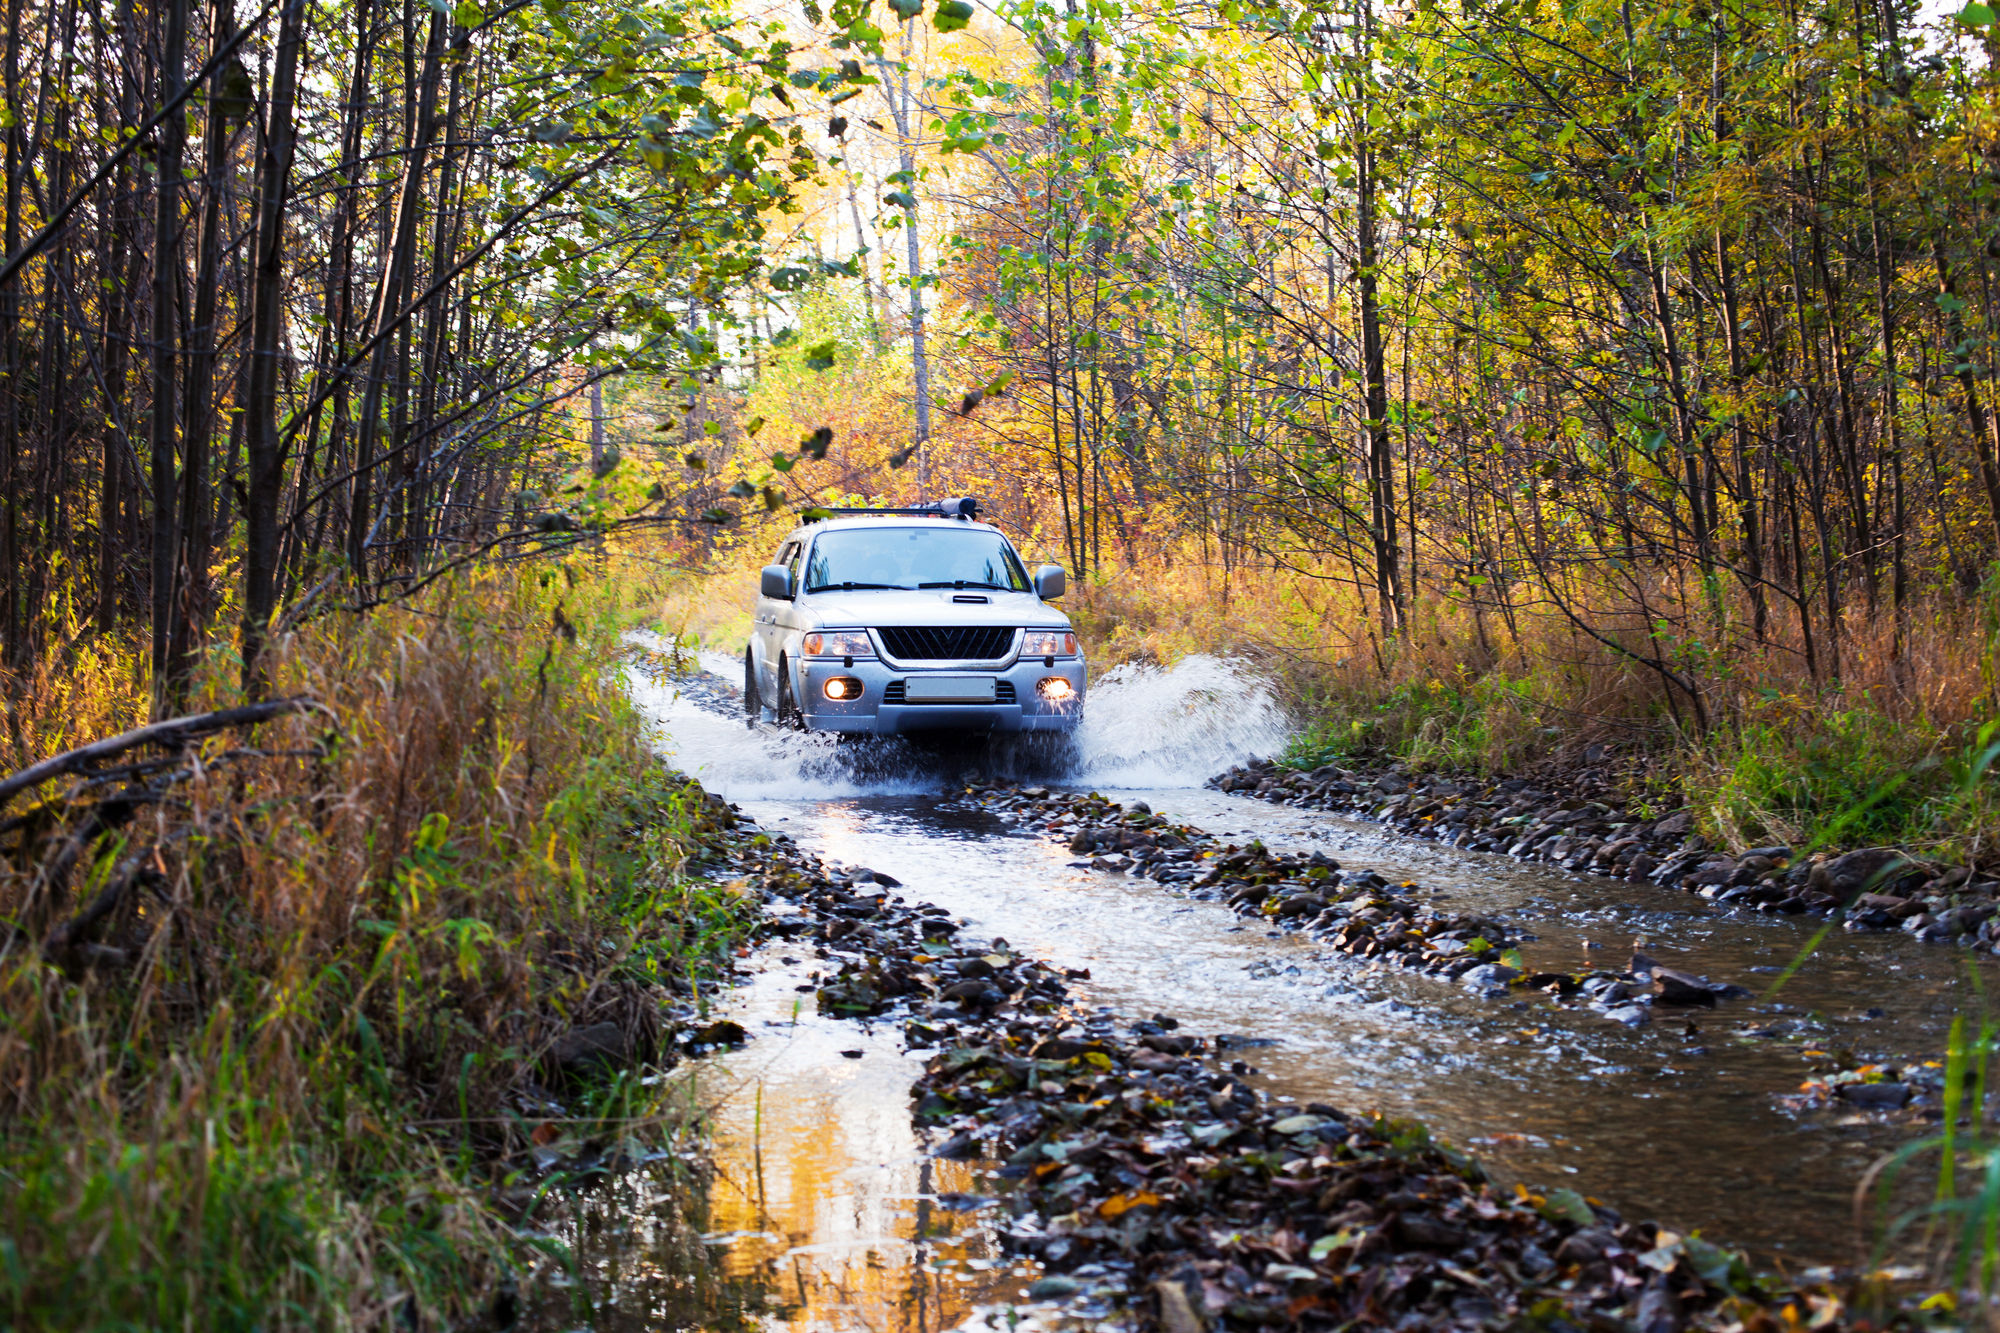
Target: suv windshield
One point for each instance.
(913, 557)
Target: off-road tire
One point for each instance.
(788, 710)
(753, 706)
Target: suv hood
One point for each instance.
(929, 606)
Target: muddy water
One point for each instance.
(825, 1205)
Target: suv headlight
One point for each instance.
(839, 643)
(1048, 643)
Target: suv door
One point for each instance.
(771, 620)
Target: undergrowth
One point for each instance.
(310, 1056)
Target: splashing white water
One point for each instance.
(1143, 726)
(700, 729)
(1177, 726)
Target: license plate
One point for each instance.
(950, 689)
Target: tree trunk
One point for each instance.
(266, 464)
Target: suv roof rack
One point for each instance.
(960, 507)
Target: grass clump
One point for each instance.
(284, 1087)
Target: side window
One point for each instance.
(796, 554)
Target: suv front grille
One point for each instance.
(946, 643)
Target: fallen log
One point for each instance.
(168, 731)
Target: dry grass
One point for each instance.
(1515, 685)
(381, 922)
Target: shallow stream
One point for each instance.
(828, 1212)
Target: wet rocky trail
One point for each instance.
(830, 1207)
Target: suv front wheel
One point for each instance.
(753, 706)
(788, 708)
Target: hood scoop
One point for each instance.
(972, 597)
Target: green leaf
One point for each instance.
(752, 426)
(790, 278)
(1976, 16)
(717, 515)
(951, 15)
(1566, 1205)
(820, 356)
(1339, 1240)
(742, 490)
(907, 9)
(900, 198)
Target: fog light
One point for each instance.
(1055, 689)
(842, 687)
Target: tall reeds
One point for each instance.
(285, 1087)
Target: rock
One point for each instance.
(1299, 1124)
(1777, 852)
(1851, 873)
(1181, 1044)
(722, 1032)
(1488, 975)
(1641, 868)
(1715, 870)
(1874, 1096)
(975, 990)
(1631, 1015)
(598, 1047)
(1753, 867)
(1678, 988)
(957, 1148)
(1675, 825)
(1054, 1287)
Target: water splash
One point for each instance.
(1177, 726)
(1143, 726)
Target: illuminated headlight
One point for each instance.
(839, 643)
(1048, 643)
(1055, 689)
(842, 687)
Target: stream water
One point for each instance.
(825, 1213)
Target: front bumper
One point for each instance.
(873, 714)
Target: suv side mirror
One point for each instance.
(776, 581)
(1049, 582)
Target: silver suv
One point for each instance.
(884, 621)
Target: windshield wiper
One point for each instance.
(965, 583)
(862, 587)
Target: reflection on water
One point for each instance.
(821, 1211)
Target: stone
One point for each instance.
(1641, 868)
(1874, 1096)
(1716, 870)
(1678, 988)
(1675, 825)
(1631, 1015)
(1872, 868)
(1488, 975)
(599, 1046)
(1054, 1287)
